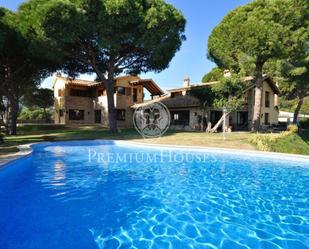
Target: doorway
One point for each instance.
(215, 116)
(97, 116)
(242, 121)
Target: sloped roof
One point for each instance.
(267, 78)
(78, 82)
(196, 85)
(150, 85)
(172, 102)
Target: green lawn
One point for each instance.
(32, 134)
(294, 143)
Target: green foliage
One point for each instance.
(292, 128)
(2, 135)
(40, 97)
(107, 37)
(34, 115)
(253, 34)
(24, 61)
(24, 56)
(256, 32)
(215, 74)
(295, 72)
(48, 128)
(204, 94)
(227, 93)
(304, 124)
(230, 104)
(131, 36)
(292, 73)
(290, 105)
(284, 142)
(305, 106)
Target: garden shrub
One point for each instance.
(37, 128)
(304, 124)
(292, 128)
(34, 115)
(266, 142)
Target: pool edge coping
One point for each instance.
(244, 151)
(26, 149)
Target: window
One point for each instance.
(180, 117)
(175, 94)
(61, 113)
(267, 101)
(121, 90)
(246, 98)
(121, 114)
(101, 92)
(79, 93)
(266, 121)
(97, 116)
(59, 92)
(128, 91)
(134, 95)
(76, 114)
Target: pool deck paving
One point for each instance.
(24, 150)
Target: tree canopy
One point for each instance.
(39, 97)
(227, 94)
(24, 62)
(108, 37)
(214, 75)
(292, 72)
(255, 33)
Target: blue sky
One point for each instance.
(202, 16)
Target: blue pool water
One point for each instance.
(102, 194)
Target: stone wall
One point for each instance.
(90, 104)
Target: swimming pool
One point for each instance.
(106, 194)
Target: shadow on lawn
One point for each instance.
(36, 134)
(305, 136)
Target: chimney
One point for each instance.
(227, 73)
(186, 82)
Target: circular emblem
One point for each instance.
(152, 120)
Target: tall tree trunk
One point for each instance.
(220, 122)
(297, 110)
(45, 115)
(12, 116)
(2, 123)
(258, 98)
(109, 85)
(6, 120)
(2, 111)
(111, 107)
